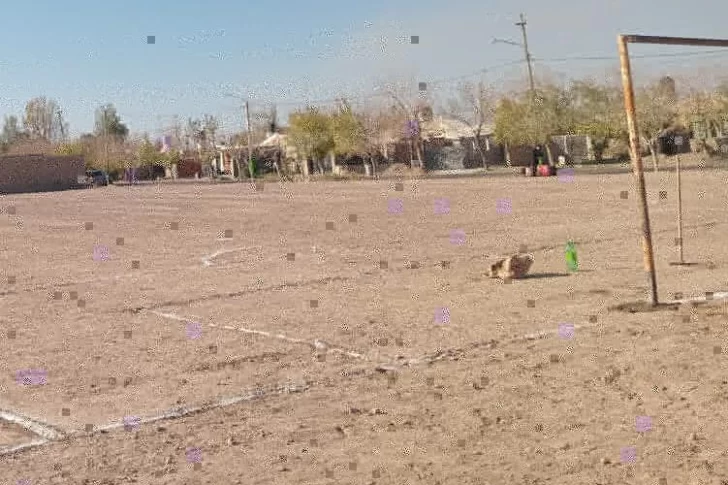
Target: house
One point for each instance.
(226, 159)
(450, 144)
(278, 146)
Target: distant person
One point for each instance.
(537, 159)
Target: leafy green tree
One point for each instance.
(511, 126)
(533, 118)
(349, 134)
(598, 112)
(147, 153)
(312, 134)
(108, 123)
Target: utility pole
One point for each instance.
(522, 25)
(106, 144)
(250, 138)
(60, 125)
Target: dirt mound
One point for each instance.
(402, 170)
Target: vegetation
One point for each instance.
(583, 107)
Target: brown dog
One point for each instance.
(513, 267)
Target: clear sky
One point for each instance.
(85, 53)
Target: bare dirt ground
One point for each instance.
(317, 310)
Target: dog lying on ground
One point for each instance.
(513, 267)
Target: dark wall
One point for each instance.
(666, 144)
(38, 173)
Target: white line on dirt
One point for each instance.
(35, 426)
(180, 412)
(170, 414)
(316, 344)
(207, 260)
(9, 450)
(45, 431)
(721, 295)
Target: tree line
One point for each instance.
(515, 118)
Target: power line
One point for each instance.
(644, 56)
(443, 81)
(436, 82)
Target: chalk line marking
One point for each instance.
(174, 413)
(183, 411)
(35, 426)
(317, 344)
(207, 260)
(45, 431)
(9, 450)
(721, 295)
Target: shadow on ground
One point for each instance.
(538, 276)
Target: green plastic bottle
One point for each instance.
(571, 260)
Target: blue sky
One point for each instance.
(86, 53)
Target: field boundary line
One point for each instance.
(10, 450)
(207, 260)
(36, 426)
(173, 413)
(317, 344)
(182, 411)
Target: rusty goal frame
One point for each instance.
(629, 105)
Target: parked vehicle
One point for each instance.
(97, 178)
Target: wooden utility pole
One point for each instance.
(106, 144)
(60, 125)
(629, 106)
(250, 138)
(522, 25)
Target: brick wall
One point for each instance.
(38, 173)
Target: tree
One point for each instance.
(706, 111)
(533, 118)
(43, 120)
(108, 123)
(210, 125)
(656, 110)
(510, 123)
(667, 89)
(347, 130)
(598, 112)
(311, 133)
(379, 127)
(195, 131)
(11, 131)
(147, 153)
(406, 107)
(476, 107)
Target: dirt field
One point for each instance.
(319, 314)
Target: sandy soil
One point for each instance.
(381, 392)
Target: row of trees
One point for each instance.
(582, 107)
(111, 145)
(594, 109)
